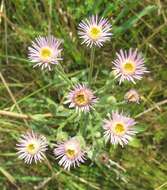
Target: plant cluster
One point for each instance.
(118, 127)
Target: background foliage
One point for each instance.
(142, 24)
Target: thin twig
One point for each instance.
(157, 30)
(43, 183)
(23, 116)
(46, 181)
(6, 38)
(160, 187)
(152, 108)
(1, 10)
(1, 76)
(83, 180)
(9, 177)
(12, 96)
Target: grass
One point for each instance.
(39, 96)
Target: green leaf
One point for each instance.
(136, 143)
(141, 127)
(133, 20)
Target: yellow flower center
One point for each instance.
(32, 148)
(46, 53)
(129, 67)
(71, 153)
(119, 128)
(95, 32)
(81, 99)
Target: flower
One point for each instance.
(70, 153)
(129, 65)
(31, 147)
(82, 98)
(119, 128)
(45, 51)
(132, 96)
(94, 31)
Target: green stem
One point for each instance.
(92, 56)
(85, 122)
(61, 72)
(50, 17)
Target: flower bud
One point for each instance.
(132, 96)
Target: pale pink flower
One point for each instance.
(129, 65)
(45, 52)
(94, 31)
(70, 153)
(31, 147)
(82, 98)
(119, 128)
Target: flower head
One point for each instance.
(132, 96)
(103, 157)
(45, 51)
(129, 65)
(82, 98)
(119, 128)
(70, 153)
(94, 31)
(31, 147)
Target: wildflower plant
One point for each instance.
(80, 113)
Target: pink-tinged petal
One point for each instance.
(94, 21)
(76, 157)
(86, 100)
(124, 134)
(50, 42)
(137, 61)
(30, 138)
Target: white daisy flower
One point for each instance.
(119, 129)
(45, 51)
(82, 98)
(31, 147)
(70, 153)
(94, 31)
(129, 65)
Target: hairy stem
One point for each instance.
(61, 72)
(92, 56)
